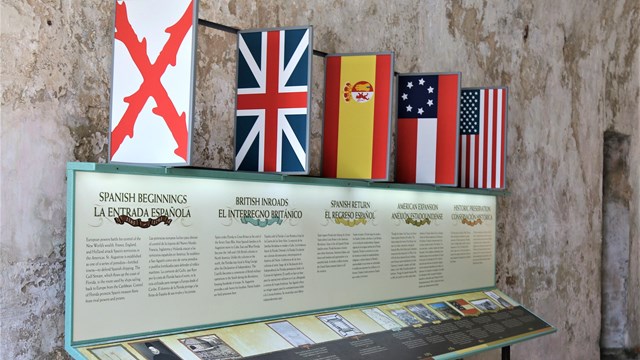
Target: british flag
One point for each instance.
(273, 97)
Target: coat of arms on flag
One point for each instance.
(273, 100)
(428, 128)
(357, 116)
(483, 129)
(153, 81)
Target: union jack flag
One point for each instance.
(273, 97)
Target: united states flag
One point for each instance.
(272, 126)
(483, 115)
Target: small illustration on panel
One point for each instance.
(381, 318)
(405, 317)
(504, 303)
(210, 347)
(484, 304)
(290, 333)
(112, 352)
(445, 310)
(154, 350)
(463, 307)
(339, 324)
(423, 313)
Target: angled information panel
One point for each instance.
(165, 252)
(157, 251)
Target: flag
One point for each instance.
(483, 118)
(357, 116)
(273, 97)
(427, 128)
(153, 82)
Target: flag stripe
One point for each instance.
(380, 144)
(355, 128)
(472, 164)
(481, 139)
(489, 137)
(271, 116)
(464, 172)
(494, 127)
(426, 150)
(448, 90)
(483, 135)
(406, 159)
(333, 96)
(503, 138)
(496, 136)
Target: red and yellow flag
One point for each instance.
(357, 116)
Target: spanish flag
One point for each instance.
(357, 116)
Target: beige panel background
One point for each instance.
(573, 73)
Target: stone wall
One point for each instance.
(573, 73)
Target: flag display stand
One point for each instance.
(182, 263)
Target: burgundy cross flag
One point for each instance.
(153, 81)
(483, 127)
(428, 128)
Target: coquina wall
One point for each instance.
(572, 68)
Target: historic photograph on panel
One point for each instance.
(422, 312)
(154, 350)
(485, 304)
(463, 307)
(445, 310)
(340, 325)
(113, 352)
(504, 303)
(290, 333)
(381, 318)
(405, 317)
(210, 347)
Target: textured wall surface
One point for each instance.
(573, 73)
(615, 240)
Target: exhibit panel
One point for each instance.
(160, 251)
(444, 327)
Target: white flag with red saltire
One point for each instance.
(152, 91)
(483, 128)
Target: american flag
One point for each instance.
(483, 115)
(272, 123)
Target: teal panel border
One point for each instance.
(262, 177)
